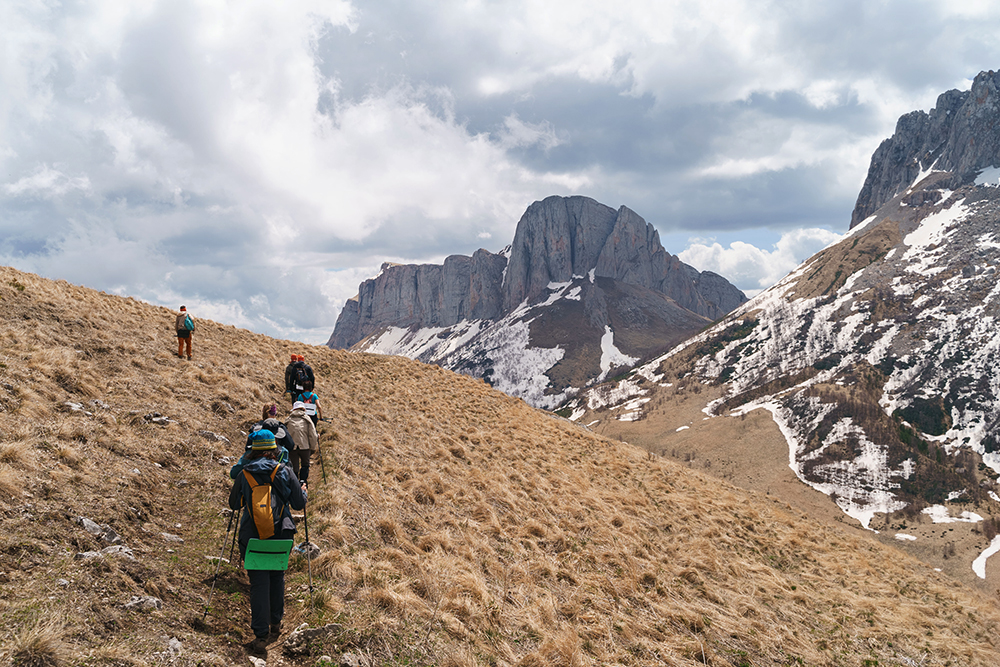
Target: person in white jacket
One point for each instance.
(300, 427)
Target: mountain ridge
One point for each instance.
(959, 135)
(475, 315)
(877, 360)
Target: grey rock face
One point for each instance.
(556, 239)
(960, 135)
(423, 295)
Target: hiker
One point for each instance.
(311, 401)
(289, 380)
(310, 381)
(306, 440)
(185, 327)
(278, 430)
(267, 587)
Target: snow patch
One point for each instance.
(989, 177)
(940, 514)
(979, 565)
(903, 537)
(611, 356)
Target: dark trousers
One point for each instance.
(267, 600)
(299, 458)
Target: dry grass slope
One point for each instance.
(458, 526)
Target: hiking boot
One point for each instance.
(189, 357)
(259, 646)
(275, 629)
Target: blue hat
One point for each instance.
(261, 440)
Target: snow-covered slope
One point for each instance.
(878, 357)
(574, 334)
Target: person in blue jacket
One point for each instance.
(267, 587)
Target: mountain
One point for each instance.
(959, 136)
(456, 525)
(582, 291)
(877, 360)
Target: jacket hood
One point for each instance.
(260, 465)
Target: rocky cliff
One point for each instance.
(960, 135)
(582, 290)
(556, 239)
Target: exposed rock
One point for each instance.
(960, 135)
(103, 532)
(354, 660)
(556, 239)
(297, 642)
(308, 549)
(170, 537)
(423, 295)
(578, 273)
(144, 603)
(213, 437)
(157, 418)
(117, 551)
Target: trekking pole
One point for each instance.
(218, 565)
(322, 464)
(305, 521)
(232, 549)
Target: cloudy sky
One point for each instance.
(256, 160)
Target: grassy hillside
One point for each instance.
(457, 525)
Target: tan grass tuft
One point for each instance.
(13, 455)
(11, 481)
(39, 645)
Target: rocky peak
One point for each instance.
(556, 240)
(959, 135)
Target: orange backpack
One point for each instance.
(265, 509)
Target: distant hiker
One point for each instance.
(311, 401)
(289, 379)
(310, 382)
(267, 587)
(306, 440)
(185, 327)
(302, 376)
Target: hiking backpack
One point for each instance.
(301, 377)
(188, 323)
(265, 509)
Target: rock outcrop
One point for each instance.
(556, 240)
(423, 295)
(960, 135)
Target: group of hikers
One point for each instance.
(270, 480)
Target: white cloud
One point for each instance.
(212, 149)
(753, 269)
(46, 183)
(519, 134)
